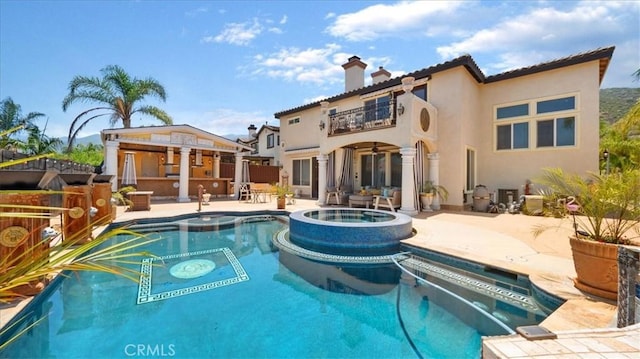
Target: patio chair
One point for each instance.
(245, 192)
(392, 200)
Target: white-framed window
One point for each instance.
(556, 132)
(293, 121)
(538, 123)
(470, 170)
(381, 169)
(377, 109)
(513, 136)
(270, 140)
(301, 172)
(420, 91)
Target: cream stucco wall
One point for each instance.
(456, 95)
(462, 117)
(510, 169)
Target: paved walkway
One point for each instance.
(585, 325)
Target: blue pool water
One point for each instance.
(349, 231)
(250, 301)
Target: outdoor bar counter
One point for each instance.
(169, 186)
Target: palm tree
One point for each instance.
(12, 121)
(117, 94)
(38, 143)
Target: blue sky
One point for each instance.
(228, 64)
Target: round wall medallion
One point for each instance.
(176, 184)
(12, 236)
(76, 212)
(192, 268)
(100, 202)
(215, 184)
(425, 121)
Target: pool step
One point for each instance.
(491, 290)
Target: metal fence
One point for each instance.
(43, 164)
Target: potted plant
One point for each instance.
(281, 192)
(605, 211)
(430, 190)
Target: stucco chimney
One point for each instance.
(252, 130)
(380, 75)
(353, 74)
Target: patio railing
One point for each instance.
(366, 118)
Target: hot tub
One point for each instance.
(349, 231)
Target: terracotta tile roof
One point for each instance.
(601, 54)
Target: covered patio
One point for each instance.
(172, 161)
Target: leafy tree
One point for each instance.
(90, 153)
(38, 143)
(622, 139)
(117, 95)
(12, 122)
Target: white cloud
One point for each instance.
(240, 34)
(283, 20)
(392, 20)
(549, 31)
(315, 99)
(310, 65)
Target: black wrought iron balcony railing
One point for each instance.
(372, 117)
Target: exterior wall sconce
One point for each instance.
(407, 84)
(321, 125)
(400, 109)
(324, 106)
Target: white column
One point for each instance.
(408, 182)
(434, 175)
(216, 165)
(322, 178)
(111, 163)
(183, 192)
(238, 175)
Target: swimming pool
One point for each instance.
(251, 300)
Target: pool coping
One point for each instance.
(557, 279)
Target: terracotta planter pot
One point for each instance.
(596, 264)
(282, 201)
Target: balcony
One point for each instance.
(375, 117)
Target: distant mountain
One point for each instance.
(95, 139)
(616, 102)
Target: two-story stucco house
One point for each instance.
(449, 124)
(265, 143)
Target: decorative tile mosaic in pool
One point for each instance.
(281, 240)
(158, 283)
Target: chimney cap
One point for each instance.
(381, 71)
(354, 61)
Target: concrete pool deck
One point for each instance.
(585, 325)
